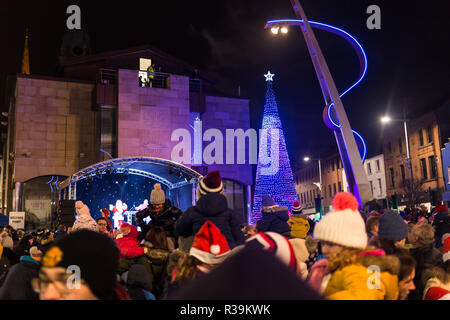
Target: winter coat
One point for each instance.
(274, 219)
(129, 245)
(299, 225)
(85, 221)
(349, 281)
(166, 218)
(437, 285)
(212, 207)
(441, 224)
(426, 257)
(157, 262)
(17, 284)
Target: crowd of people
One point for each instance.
(204, 253)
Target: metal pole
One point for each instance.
(320, 179)
(409, 161)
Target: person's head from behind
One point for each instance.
(406, 276)
(372, 225)
(341, 228)
(80, 266)
(211, 183)
(101, 222)
(36, 253)
(421, 235)
(62, 228)
(392, 226)
(157, 237)
(249, 231)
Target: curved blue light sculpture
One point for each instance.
(363, 69)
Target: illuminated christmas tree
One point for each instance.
(273, 177)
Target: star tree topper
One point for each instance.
(269, 76)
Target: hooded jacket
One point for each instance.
(84, 220)
(166, 218)
(17, 284)
(129, 245)
(350, 281)
(274, 219)
(212, 207)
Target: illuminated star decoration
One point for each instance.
(269, 76)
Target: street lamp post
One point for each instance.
(387, 119)
(306, 159)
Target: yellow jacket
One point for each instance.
(359, 282)
(299, 226)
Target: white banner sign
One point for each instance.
(17, 220)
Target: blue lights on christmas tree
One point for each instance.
(273, 174)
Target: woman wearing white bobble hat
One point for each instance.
(84, 220)
(346, 275)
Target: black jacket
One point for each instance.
(426, 257)
(165, 218)
(17, 284)
(274, 219)
(212, 207)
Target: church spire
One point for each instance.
(26, 57)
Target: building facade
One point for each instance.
(376, 175)
(425, 136)
(109, 106)
(307, 182)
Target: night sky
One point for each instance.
(408, 59)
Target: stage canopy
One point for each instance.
(179, 180)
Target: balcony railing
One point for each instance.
(107, 76)
(154, 79)
(195, 85)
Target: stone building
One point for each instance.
(104, 105)
(427, 134)
(307, 182)
(376, 175)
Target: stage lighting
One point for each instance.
(179, 174)
(188, 178)
(171, 171)
(108, 171)
(98, 173)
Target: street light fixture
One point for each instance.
(307, 159)
(275, 30)
(284, 30)
(385, 119)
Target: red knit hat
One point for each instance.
(210, 245)
(446, 253)
(437, 293)
(296, 207)
(212, 182)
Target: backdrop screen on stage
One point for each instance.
(121, 194)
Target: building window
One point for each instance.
(432, 162)
(402, 170)
(421, 137)
(334, 189)
(371, 187)
(429, 134)
(400, 145)
(332, 165)
(392, 177)
(379, 185)
(423, 163)
(329, 191)
(369, 169)
(339, 186)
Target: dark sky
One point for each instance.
(408, 59)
